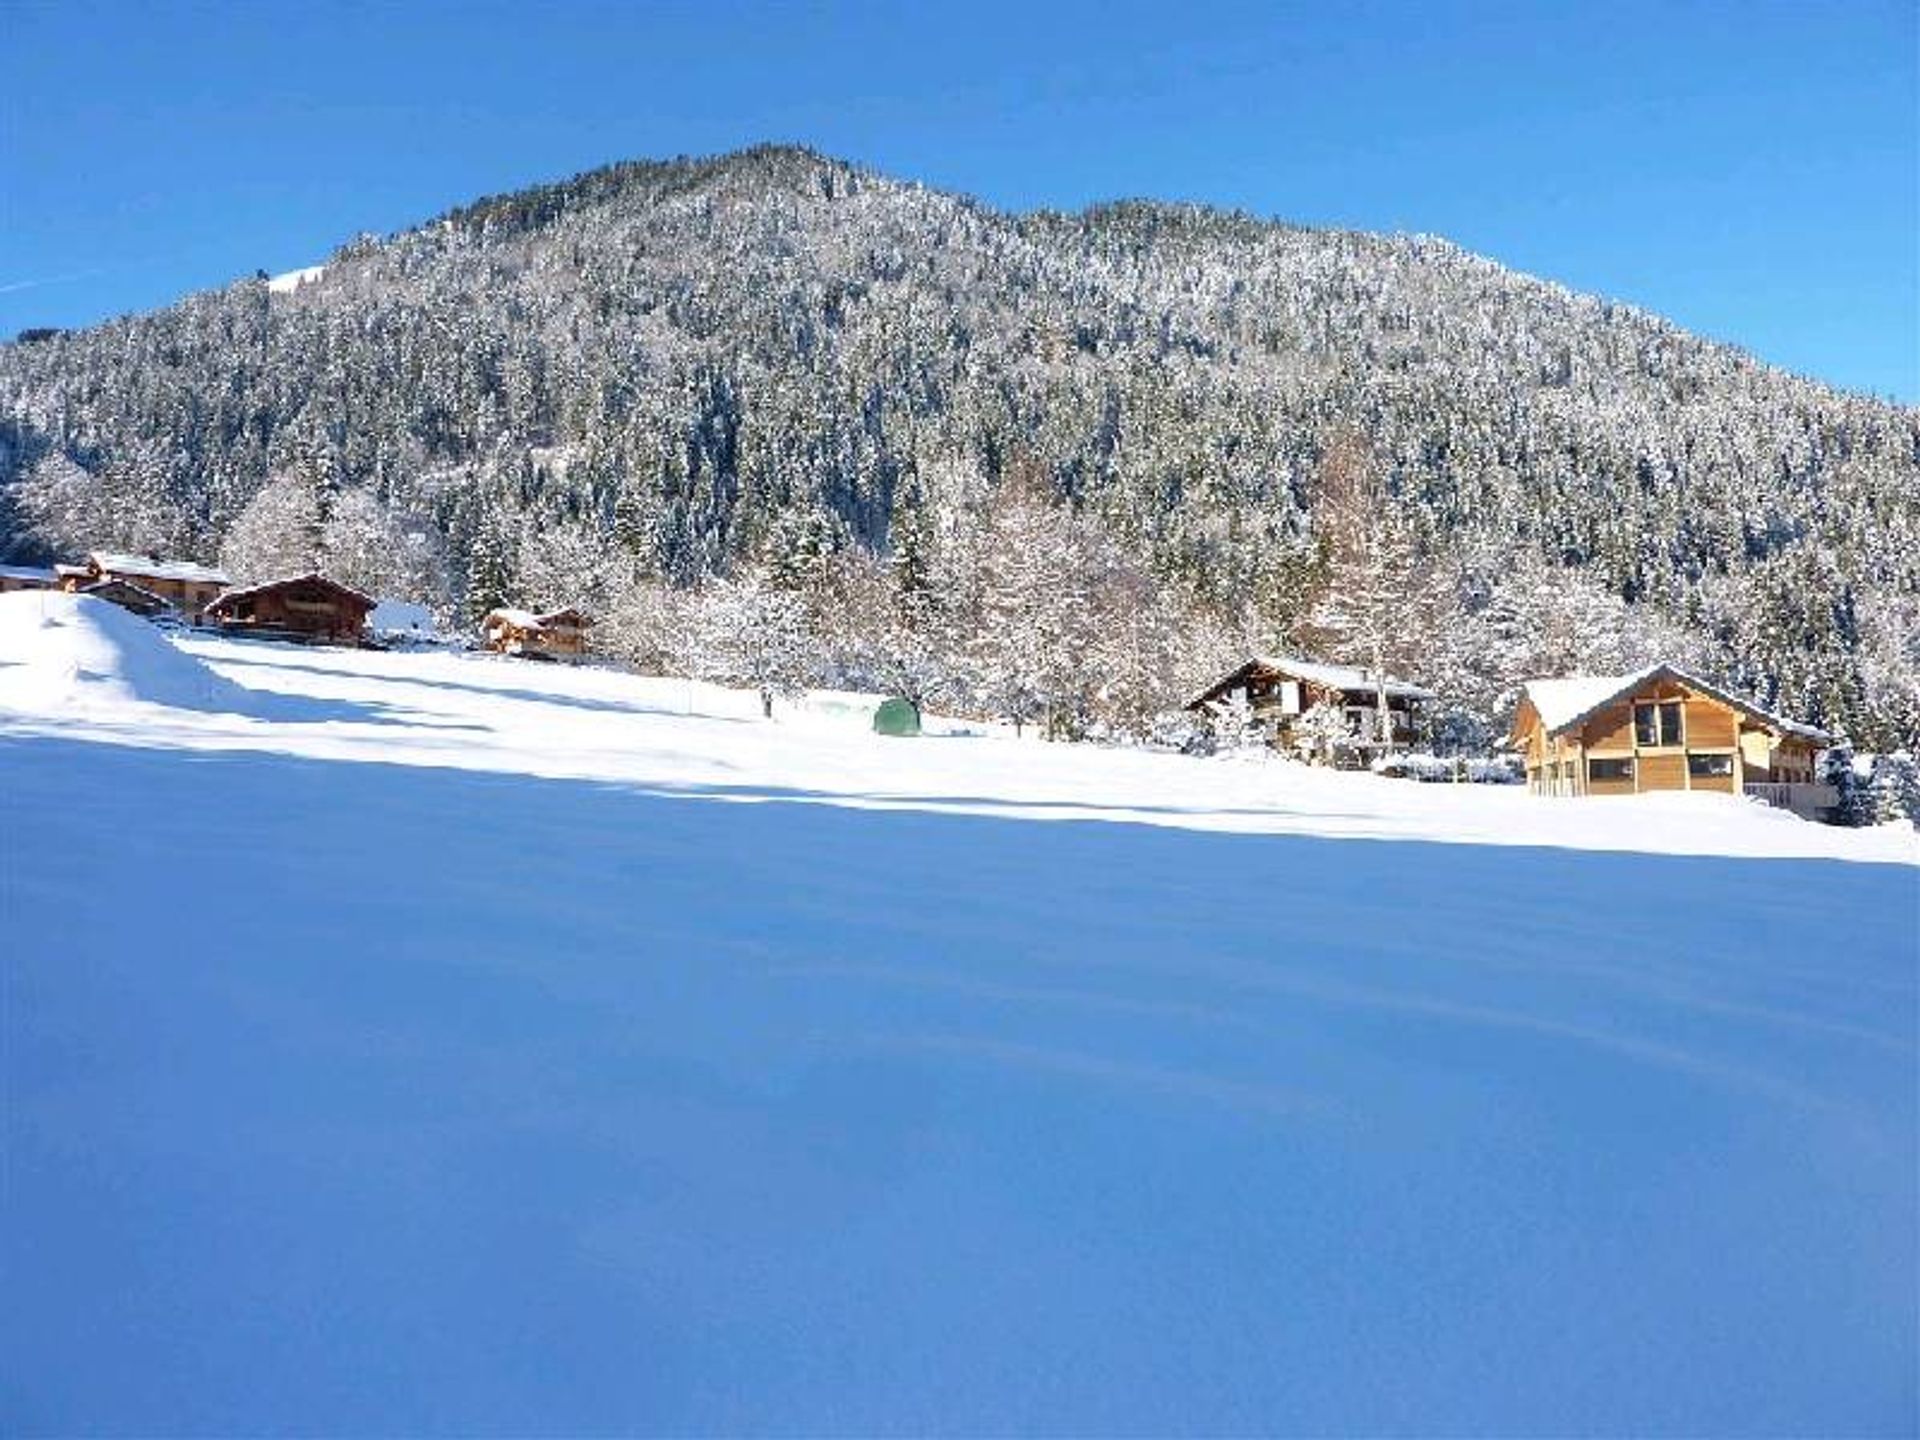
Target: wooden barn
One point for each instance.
(1279, 692)
(555, 635)
(306, 607)
(185, 586)
(27, 577)
(1663, 729)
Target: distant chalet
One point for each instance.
(1280, 691)
(27, 577)
(182, 585)
(1664, 729)
(307, 607)
(554, 635)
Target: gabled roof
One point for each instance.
(1313, 672)
(311, 577)
(1569, 701)
(153, 568)
(106, 589)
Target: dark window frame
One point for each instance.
(1650, 728)
(1619, 766)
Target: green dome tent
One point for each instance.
(896, 717)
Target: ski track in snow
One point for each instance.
(424, 1051)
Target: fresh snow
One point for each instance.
(79, 655)
(401, 617)
(286, 284)
(425, 1044)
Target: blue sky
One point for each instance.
(1752, 171)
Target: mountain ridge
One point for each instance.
(676, 363)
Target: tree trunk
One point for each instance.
(766, 704)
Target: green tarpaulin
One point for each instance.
(896, 717)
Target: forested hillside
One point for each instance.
(776, 416)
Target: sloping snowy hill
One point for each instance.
(434, 1054)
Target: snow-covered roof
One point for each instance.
(527, 620)
(310, 577)
(1313, 672)
(104, 588)
(1564, 702)
(38, 574)
(1340, 677)
(1561, 701)
(154, 568)
(64, 571)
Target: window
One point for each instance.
(1710, 767)
(1606, 770)
(1657, 724)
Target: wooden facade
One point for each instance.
(1280, 692)
(1663, 729)
(184, 586)
(555, 635)
(306, 607)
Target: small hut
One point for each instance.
(306, 607)
(556, 635)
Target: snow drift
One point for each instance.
(74, 651)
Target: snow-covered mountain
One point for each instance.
(435, 1043)
(658, 371)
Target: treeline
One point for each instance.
(667, 381)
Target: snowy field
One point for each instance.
(427, 1043)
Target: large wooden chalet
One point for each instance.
(554, 635)
(1663, 729)
(306, 607)
(1279, 692)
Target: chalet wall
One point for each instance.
(1662, 770)
(1709, 725)
(1611, 731)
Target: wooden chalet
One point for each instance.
(555, 635)
(306, 607)
(27, 577)
(1279, 692)
(1663, 729)
(183, 585)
